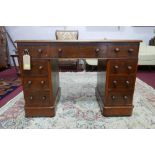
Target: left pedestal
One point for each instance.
(41, 88)
(40, 83)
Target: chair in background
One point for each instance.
(69, 64)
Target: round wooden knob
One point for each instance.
(114, 82)
(60, 50)
(29, 82)
(42, 82)
(39, 50)
(127, 83)
(125, 97)
(116, 67)
(40, 67)
(31, 98)
(97, 50)
(130, 50)
(44, 98)
(113, 97)
(116, 49)
(129, 67)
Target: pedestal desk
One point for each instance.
(117, 67)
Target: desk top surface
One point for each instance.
(78, 41)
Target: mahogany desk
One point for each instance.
(117, 67)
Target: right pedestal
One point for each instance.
(115, 86)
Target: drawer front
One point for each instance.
(67, 51)
(120, 51)
(122, 67)
(121, 82)
(120, 98)
(35, 51)
(93, 50)
(37, 98)
(38, 68)
(81, 51)
(39, 83)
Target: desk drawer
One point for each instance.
(129, 51)
(121, 82)
(35, 51)
(37, 98)
(120, 98)
(38, 68)
(84, 50)
(93, 50)
(125, 67)
(67, 51)
(36, 83)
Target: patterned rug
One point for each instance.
(78, 107)
(10, 85)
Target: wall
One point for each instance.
(85, 32)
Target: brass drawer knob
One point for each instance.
(42, 82)
(29, 82)
(125, 97)
(130, 50)
(116, 49)
(44, 98)
(40, 67)
(40, 50)
(127, 83)
(129, 67)
(113, 97)
(115, 83)
(31, 98)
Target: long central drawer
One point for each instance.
(82, 50)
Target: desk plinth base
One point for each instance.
(109, 111)
(43, 111)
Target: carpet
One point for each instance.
(10, 85)
(78, 108)
(147, 76)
